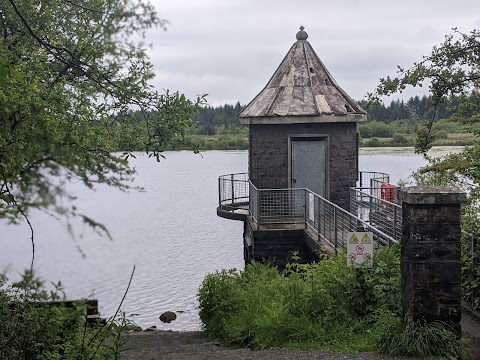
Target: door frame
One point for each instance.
(311, 137)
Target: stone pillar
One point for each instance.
(430, 254)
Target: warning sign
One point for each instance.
(359, 248)
(353, 238)
(367, 238)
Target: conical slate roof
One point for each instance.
(303, 88)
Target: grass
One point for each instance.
(453, 139)
(326, 305)
(240, 141)
(216, 142)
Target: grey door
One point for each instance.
(308, 165)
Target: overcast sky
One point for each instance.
(230, 49)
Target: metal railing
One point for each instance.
(470, 269)
(277, 206)
(301, 207)
(378, 212)
(387, 216)
(233, 191)
(372, 180)
(331, 223)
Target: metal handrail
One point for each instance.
(330, 222)
(233, 191)
(327, 220)
(277, 206)
(376, 211)
(342, 223)
(373, 204)
(365, 178)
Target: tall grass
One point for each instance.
(325, 305)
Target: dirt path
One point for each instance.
(171, 345)
(156, 345)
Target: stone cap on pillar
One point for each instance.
(429, 195)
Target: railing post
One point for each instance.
(219, 192)
(370, 198)
(394, 224)
(305, 216)
(353, 201)
(233, 188)
(259, 196)
(335, 228)
(318, 216)
(250, 199)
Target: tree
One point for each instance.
(71, 72)
(452, 71)
(451, 68)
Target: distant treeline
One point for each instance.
(395, 124)
(418, 108)
(414, 108)
(211, 120)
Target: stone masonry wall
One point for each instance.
(430, 254)
(276, 246)
(268, 156)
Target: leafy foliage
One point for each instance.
(325, 305)
(471, 270)
(328, 305)
(417, 339)
(33, 328)
(451, 71)
(71, 73)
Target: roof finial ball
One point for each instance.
(302, 35)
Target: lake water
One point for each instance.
(170, 232)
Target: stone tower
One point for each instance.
(303, 129)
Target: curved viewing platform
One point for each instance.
(233, 196)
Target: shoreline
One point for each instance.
(409, 150)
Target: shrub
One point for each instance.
(373, 142)
(399, 139)
(365, 130)
(31, 328)
(440, 134)
(375, 129)
(322, 305)
(448, 126)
